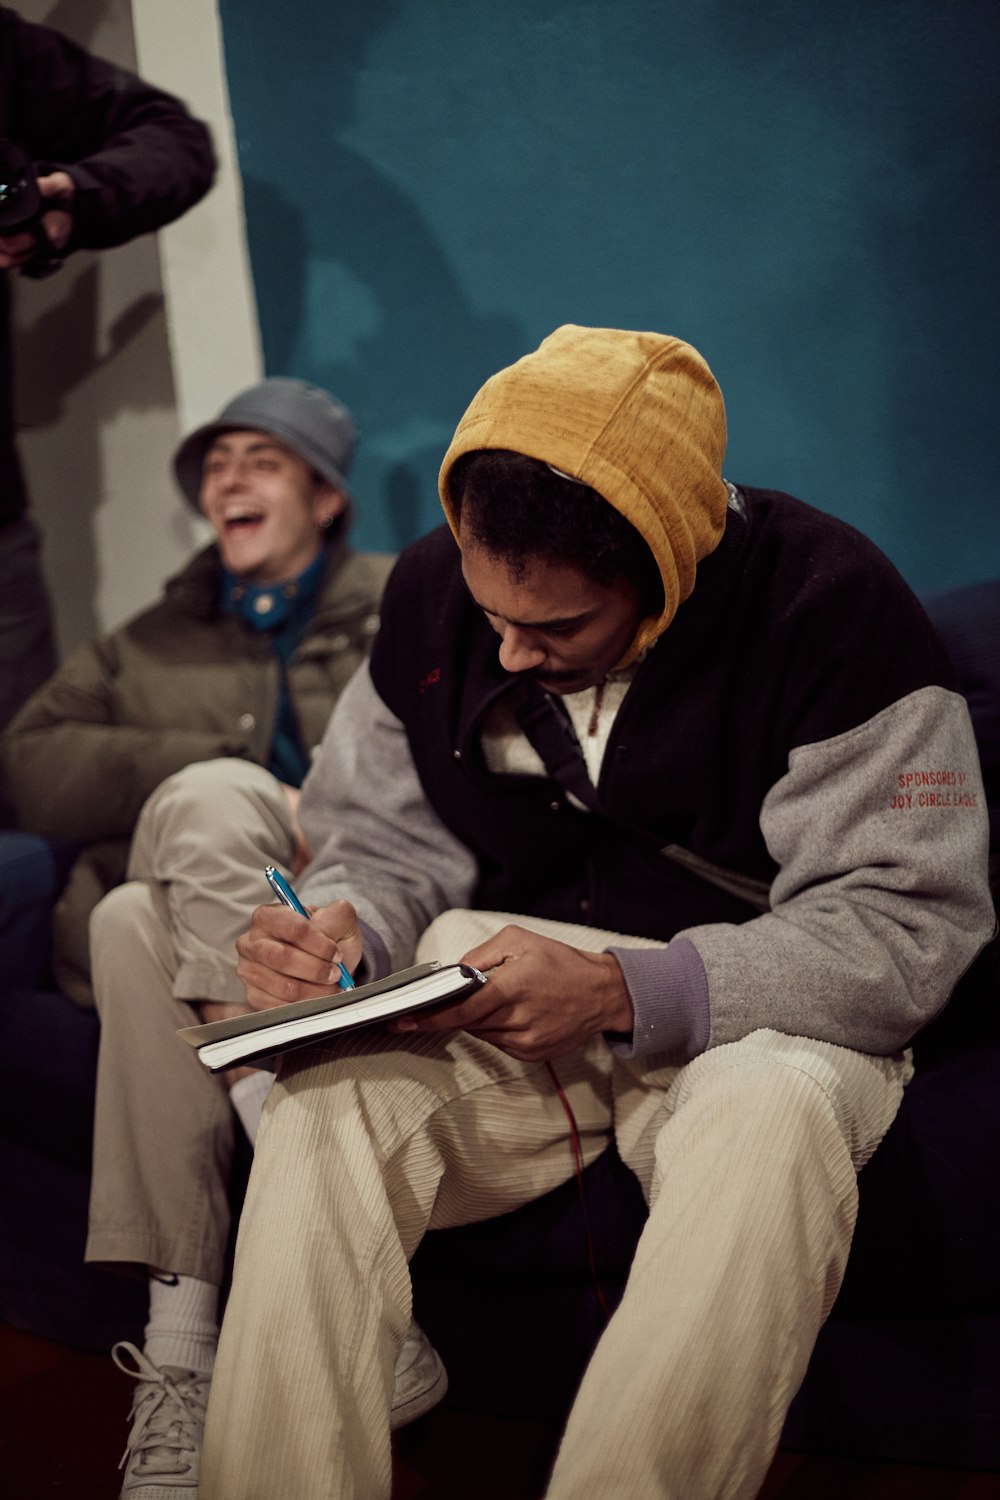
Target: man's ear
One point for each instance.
(328, 503)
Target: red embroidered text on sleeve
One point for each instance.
(937, 786)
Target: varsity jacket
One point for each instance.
(795, 727)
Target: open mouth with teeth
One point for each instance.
(243, 518)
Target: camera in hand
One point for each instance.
(22, 207)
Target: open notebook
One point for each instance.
(262, 1033)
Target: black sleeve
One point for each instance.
(137, 157)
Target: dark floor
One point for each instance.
(63, 1426)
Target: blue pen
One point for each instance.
(287, 896)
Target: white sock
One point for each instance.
(183, 1327)
(247, 1097)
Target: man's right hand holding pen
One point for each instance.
(544, 997)
(284, 956)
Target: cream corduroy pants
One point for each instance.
(748, 1157)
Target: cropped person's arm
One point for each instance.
(136, 157)
(73, 771)
(376, 840)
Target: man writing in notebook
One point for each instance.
(663, 720)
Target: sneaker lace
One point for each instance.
(167, 1415)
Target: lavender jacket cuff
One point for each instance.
(669, 992)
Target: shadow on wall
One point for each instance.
(74, 373)
(862, 363)
(337, 307)
(65, 14)
(396, 279)
(61, 353)
(803, 191)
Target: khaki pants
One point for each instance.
(163, 1129)
(747, 1155)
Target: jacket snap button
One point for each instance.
(340, 642)
(555, 806)
(457, 754)
(247, 721)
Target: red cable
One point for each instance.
(574, 1135)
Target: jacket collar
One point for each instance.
(197, 589)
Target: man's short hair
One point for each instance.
(519, 508)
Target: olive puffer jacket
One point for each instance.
(180, 682)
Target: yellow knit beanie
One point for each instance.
(638, 417)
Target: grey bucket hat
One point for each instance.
(305, 417)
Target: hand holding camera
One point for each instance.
(36, 216)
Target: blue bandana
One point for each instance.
(282, 610)
(272, 607)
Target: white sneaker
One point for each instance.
(168, 1417)
(421, 1379)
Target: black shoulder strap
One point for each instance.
(547, 727)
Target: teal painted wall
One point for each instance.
(806, 191)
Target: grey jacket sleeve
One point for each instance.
(880, 904)
(376, 841)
